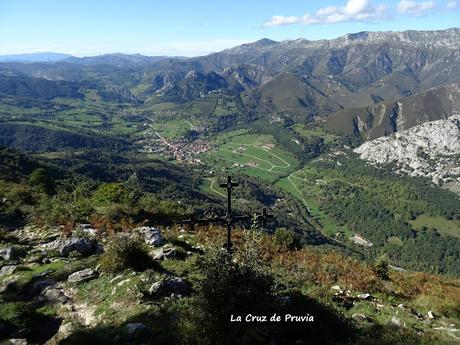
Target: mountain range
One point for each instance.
(297, 79)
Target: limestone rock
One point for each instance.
(11, 253)
(7, 270)
(360, 317)
(84, 246)
(365, 296)
(396, 322)
(86, 230)
(82, 276)
(168, 286)
(152, 235)
(428, 150)
(167, 252)
(53, 295)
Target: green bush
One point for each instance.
(116, 212)
(125, 250)
(286, 238)
(71, 204)
(228, 287)
(40, 178)
(162, 211)
(108, 193)
(380, 267)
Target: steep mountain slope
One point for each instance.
(430, 150)
(354, 70)
(388, 117)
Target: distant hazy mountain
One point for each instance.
(117, 59)
(34, 57)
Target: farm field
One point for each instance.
(302, 185)
(254, 155)
(306, 132)
(174, 129)
(444, 226)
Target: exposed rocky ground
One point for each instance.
(76, 302)
(431, 150)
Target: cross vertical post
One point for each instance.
(229, 219)
(229, 216)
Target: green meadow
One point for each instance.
(254, 155)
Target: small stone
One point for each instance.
(82, 276)
(365, 296)
(396, 322)
(44, 273)
(401, 306)
(158, 254)
(116, 278)
(8, 283)
(431, 315)
(41, 285)
(359, 317)
(87, 230)
(18, 341)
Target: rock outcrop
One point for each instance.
(431, 150)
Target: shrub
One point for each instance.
(40, 178)
(108, 193)
(163, 211)
(71, 204)
(124, 251)
(228, 287)
(380, 267)
(286, 238)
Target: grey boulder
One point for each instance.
(8, 269)
(152, 235)
(84, 246)
(168, 286)
(82, 276)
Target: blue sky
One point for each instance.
(198, 27)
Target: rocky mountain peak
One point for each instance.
(431, 150)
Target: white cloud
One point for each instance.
(415, 8)
(354, 10)
(453, 4)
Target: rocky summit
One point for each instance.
(431, 150)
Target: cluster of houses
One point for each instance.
(181, 150)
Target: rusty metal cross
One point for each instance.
(229, 219)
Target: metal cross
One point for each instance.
(229, 219)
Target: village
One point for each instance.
(182, 150)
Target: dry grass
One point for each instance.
(311, 266)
